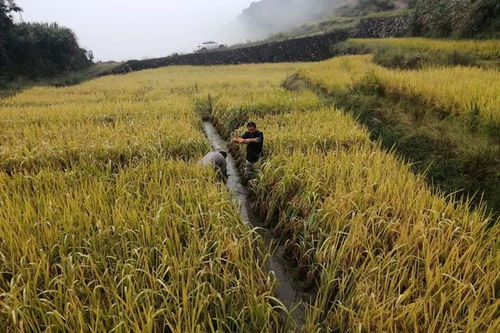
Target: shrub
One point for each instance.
(364, 7)
(463, 18)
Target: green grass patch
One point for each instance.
(12, 87)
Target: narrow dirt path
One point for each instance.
(293, 299)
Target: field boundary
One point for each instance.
(399, 123)
(314, 48)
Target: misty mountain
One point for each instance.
(267, 17)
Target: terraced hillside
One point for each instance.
(107, 222)
(443, 117)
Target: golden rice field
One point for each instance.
(454, 90)
(389, 255)
(340, 72)
(107, 223)
(484, 49)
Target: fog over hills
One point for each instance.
(267, 17)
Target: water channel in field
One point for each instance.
(285, 291)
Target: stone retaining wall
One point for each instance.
(384, 27)
(313, 48)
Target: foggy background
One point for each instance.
(268, 17)
(135, 29)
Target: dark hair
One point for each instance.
(252, 124)
(223, 153)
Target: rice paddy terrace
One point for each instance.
(108, 222)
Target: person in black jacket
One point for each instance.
(254, 139)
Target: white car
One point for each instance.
(210, 46)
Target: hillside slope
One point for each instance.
(282, 19)
(267, 17)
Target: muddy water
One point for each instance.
(284, 291)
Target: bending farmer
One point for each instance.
(217, 159)
(254, 139)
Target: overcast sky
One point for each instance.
(135, 29)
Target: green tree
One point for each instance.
(42, 50)
(7, 7)
(36, 50)
(484, 19)
(460, 18)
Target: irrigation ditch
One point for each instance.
(287, 290)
